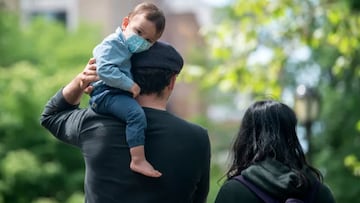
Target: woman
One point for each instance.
(267, 153)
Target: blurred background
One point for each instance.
(305, 53)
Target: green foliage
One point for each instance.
(215, 182)
(352, 162)
(264, 47)
(10, 39)
(36, 61)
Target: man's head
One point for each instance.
(154, 69)
(146, 20)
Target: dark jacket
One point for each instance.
(273, 178)
(178, 149)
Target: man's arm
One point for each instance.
(61, 115)
(74, 90)
(202, 191)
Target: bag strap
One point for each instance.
(262, 195)
(267, 198)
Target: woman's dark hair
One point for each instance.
(268, 130)
(152, 80)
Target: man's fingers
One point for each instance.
(90, 71)
(92, 61)
(88, 89)
(88, 76)
(87, 79)
(90, 68)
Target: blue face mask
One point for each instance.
(137, 44)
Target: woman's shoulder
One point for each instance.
(325, 194)
(233, 191)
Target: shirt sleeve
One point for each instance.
(62, 119)
(113, 62)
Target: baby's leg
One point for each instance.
(127, 109)
(139, 163)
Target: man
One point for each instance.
(179, 149)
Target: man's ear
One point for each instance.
(172, 82)
(125, 23)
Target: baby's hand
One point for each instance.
(135, 90)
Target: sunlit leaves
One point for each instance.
(312, 42)
(13, 91)
(11, 40)
(20, 164)
(75, 198)
(352, 162)
(191, 73)
(44, 200)
(236, 39)
(340, 64)
(334, 16)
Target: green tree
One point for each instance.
(266, 48)
(36, 61)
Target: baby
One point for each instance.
(115, 92)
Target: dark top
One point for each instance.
(273, 178)
(178, 149)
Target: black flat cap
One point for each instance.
(160, 55)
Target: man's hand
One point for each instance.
(88, 76)
(135, 90)
(73, 91)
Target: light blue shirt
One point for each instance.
(113, 61)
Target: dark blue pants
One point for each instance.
(127, 109)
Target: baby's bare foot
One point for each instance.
(144, 168)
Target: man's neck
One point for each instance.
(152, 101)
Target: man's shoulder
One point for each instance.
(193, 130)
(233, 190)
(191, 124)
(172, 122)
(104, 120)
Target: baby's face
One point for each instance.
(139, 25)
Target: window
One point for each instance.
(64, 11)
(59, 16)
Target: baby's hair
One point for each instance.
(153, 14)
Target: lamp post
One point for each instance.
(307, 108)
